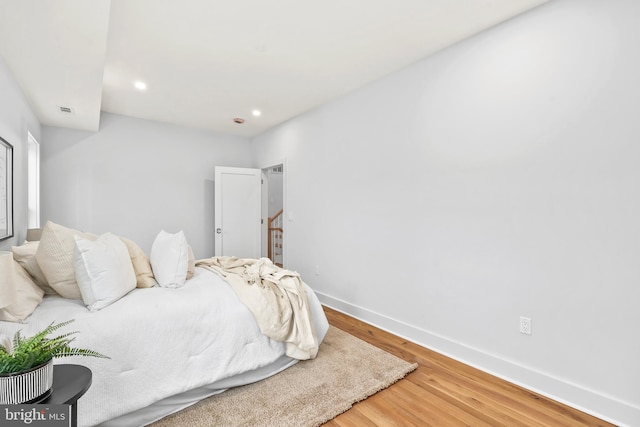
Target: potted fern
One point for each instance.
(26, 364)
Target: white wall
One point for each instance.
(496, 179)
(16, 120)
(135, 177)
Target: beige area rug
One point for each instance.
(346, 370)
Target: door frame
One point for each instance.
(265, 204)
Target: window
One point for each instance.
(33, 182)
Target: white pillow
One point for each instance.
(103, 270)
(170, 259)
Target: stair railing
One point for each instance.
(274, 233)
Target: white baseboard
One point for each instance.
(594, 403)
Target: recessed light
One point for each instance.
(140, 85)
(256, 113)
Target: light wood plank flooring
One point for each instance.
(443, 392)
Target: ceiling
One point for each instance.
(206, 62)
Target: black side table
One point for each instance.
(70, 383)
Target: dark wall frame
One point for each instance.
(6, 189)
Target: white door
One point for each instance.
(237, 212)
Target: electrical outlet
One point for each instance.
(525, 325)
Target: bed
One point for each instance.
(169, 347)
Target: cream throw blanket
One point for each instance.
(275, 296)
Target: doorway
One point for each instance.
(273, 227)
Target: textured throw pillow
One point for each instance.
(170, 259)
(7, 292)
(26, 294)
(26, 256)
(103, 269)
(55, 257)
(141, 265)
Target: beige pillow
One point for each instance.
(27, 295)
(191, 266)
(7, 292)
(141, 265)
(26, 257)
(55, 257)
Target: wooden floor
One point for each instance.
(443, 392)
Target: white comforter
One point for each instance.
(161, 342)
